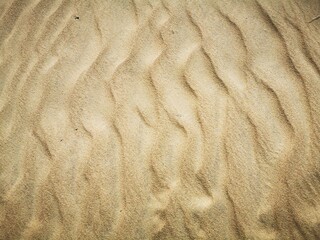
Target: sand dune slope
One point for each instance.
(159, 119)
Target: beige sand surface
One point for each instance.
(196, 119)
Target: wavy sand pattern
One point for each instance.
(159, 119)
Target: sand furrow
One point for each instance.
(159, 119)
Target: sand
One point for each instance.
(159, 120)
